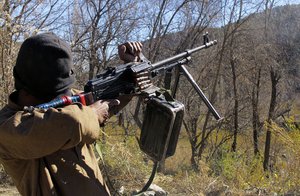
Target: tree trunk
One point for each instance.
(255, 115)
(193, 141)
(274, 80)
(191, 131)
(161, 166)
(236, 106)
(194, 161)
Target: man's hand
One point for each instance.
(102, 107)
(129, 51)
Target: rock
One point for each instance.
(153, 190)
(158, 190)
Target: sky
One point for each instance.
(284, 2)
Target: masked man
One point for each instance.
(49, 152)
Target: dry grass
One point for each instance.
(226, 173)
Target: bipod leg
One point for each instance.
(199, 92)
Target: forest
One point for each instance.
(252, 77)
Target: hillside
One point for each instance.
(285, 25)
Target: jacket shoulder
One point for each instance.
(6, 113)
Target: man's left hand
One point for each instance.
(129, 51)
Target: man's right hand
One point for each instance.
(101, 109)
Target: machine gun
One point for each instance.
(120, 80)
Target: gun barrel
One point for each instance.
(181, 55)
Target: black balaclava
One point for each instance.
(44, 66)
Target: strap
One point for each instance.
(151, 178)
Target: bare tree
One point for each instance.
(275, 77)
(268, 6)
(98, 27)
(233, 66)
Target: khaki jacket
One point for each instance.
(50, 152)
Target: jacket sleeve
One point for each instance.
(39, 133)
